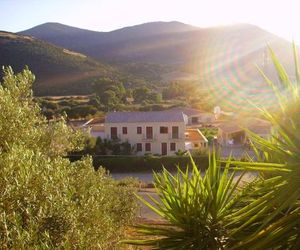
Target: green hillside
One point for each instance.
(58, 71)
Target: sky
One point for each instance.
(279, 17)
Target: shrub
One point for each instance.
(195, 208)
(122, 163)
(47, 201)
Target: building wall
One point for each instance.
(96, 134)
(133, 138)
(224, 137)
(201, 118)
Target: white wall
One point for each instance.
(202, 118)
(133, 138)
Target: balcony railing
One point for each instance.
(177, 137)
(154, 137)
(113, 137)
(149, 138)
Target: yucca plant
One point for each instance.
(272, 219)
(215, 212)
(195, 208)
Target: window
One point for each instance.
(196, 145)
(173, 146)
(148, 146)
(175, 132)
(114, 133)
(149, 133)
(139, 147)
(124, 130)
(163, 130)
(194, 119)
(139, 130)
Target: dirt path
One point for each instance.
(144, 212)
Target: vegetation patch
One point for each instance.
(127, 164)
(46, 201)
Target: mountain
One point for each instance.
(221, 59)
(167, 43)
(81, 39)
(58, 70)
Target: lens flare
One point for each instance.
(229, 71)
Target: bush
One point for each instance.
(119, 164)
(152, 107)
(47, 201)
(195, 208)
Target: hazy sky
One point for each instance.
(279, 17)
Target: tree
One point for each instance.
(140, 94)
(111, 93)
(47, 201)
(154, 97)
(172, 91)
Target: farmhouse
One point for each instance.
(155, 132)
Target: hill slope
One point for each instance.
(81, 39)
(221, 59)
(167, 43)
(57, 70)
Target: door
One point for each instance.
(149, 133)
(164, 148)
(114, 133)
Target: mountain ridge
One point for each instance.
(220, 59)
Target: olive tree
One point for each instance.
(45, 200)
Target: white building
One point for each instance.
(156, 132)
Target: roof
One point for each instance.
(97, 128)
(260, 130)
(76, 123)
(256, 125)
(151, 116)
(195, 135)
(98, 120)
(188, 111)
(230, 127)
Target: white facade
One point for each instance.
(195, 116)
(201, 118)
(165, 139)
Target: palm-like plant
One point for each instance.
(216, 212)
(194, 207)
(272, 219)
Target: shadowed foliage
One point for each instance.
(46, 201)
